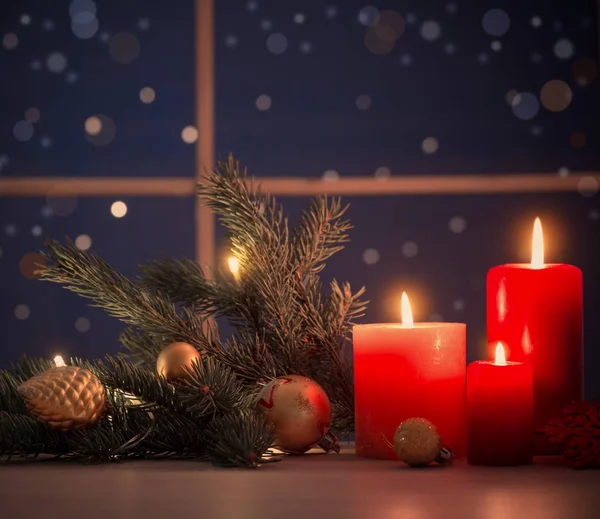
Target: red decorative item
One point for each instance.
(578, 430)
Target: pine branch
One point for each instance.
(109, 438)
(209, 388)
(27, 367)
(174, 435)
(181, 280)
(141, 347)
(93, 278)
(142, 382)
(22, 435)
(251, 218)
(239, 439)
(248, 356)
(10, 400)
(320, 234)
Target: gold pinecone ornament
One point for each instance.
(65, 398)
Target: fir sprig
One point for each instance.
(285, 324)
(91, 277)
(240, 438)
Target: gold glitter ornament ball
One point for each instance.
(299, 409)
(417, 442)
(65, 398)
(174, 358)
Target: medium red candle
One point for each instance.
(536, 310)
(499, 412)
(408, 370)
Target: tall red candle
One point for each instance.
(536, 310)
(408, 370)
(499, 412)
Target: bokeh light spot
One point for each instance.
(100, 130)
(383, 173)
(457, 224)
(147, 95)
(93, 125)
(32, 114)
(10, 41)
(56, 62)
(189, 134)
(368, 15)
(23, 131)
(231, 41)
(84, 26)
(556, 95)
(30, 264)
(377, 45)
(82, 324)
(496, 22)
(124, 48)
(564, 49)
(371, 256)
(410, 249)
(118, 209)
(263, 102)
(83, 242)
(277, 43)
(22, 312)
(577, 140)
(458, 305)
(431, 30)
(363, 102)
(331, 175)
(525, 106)
(430, 145)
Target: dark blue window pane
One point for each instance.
(102, 91)
(415, 87)
(40, 318)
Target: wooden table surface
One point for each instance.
(312, 486)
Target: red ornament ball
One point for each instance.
(299, 409)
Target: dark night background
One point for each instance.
(303, 88)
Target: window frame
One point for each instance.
(204, 220)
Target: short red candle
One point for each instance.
(404, 371)
(499, 412)
(536, 311)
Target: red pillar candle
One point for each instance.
(499, 412)
(408, 370)
(536, 310)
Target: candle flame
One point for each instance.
(407, 317)
(537, 245)
(58, 360)
(500, 355)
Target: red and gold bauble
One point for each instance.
(174, 358)
(300, 411)
(65, 398)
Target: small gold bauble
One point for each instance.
(174, 358)
(417, 442)
(66, 397)
(299, 409)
